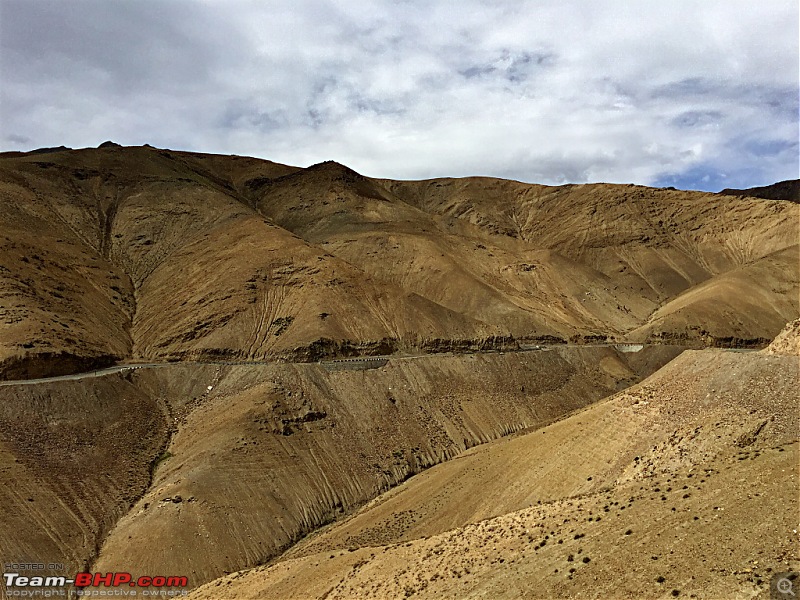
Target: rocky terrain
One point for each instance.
(787, 342)
(330, 385)
(783, 190)
(143, 254)
(239, 462)
(684, 485)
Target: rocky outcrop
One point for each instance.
(51, 364)
(787, 342)
(783, 190)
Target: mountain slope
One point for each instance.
(138, 253)
(272, 452)
(652, 490)
(632, 248)
(128, 470)
(783, 190)
(733, 307)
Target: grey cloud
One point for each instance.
(123, 46)
(477, 71)
(771, 147)
(693, 86)
(18, 140)
(240, 113)
(777, 97)
(513, 67)
(697, 118)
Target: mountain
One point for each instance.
(143, 254)
(127, 470)
(220, 364)
(783, 190)
(683, 485)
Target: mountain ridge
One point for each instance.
(508, 324)
(167, 255)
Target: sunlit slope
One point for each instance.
(685, 482)
(271, 452)
(117, 253)
(787, 342)
(126, 259)
(734, 306)
(651, 244)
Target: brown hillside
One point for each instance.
(242, 470)
(138, 253)
(463, 449)
(685, 482)
(273, 452)
(787, 342)
(74, 456)
(783, 190)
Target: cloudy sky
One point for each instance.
(699, 94)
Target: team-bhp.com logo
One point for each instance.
(94, 584)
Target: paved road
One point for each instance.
(135, 366)
(132, 367)
(84, 375)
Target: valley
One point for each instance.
(287, 382)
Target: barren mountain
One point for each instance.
(137, 253)
(683, 485)
(287, 346)
(783, 190)
(240, 461)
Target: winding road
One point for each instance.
(135, 366)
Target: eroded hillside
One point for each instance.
(683, 485)
(125, 471)
(495, 316)
(137, 253)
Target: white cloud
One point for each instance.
(547, 91)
